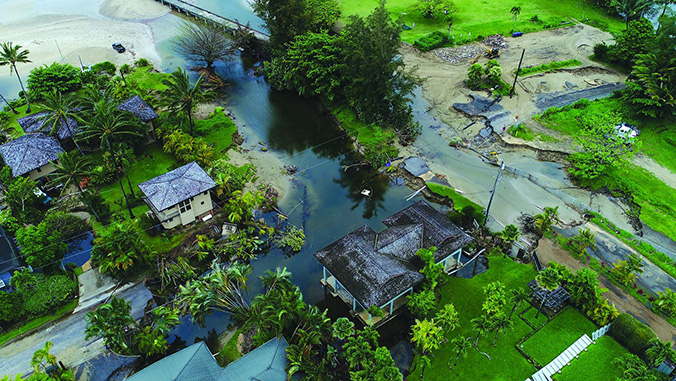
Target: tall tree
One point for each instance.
(112, 321)
(460, 346)
(517, 296)
(631, 9)
(11, 54)
(583, 240)
(119, 250)
(61, 110)
(70, 169)
(447, 318)
(501, 324)
(480, 325)
(515, 11)
(547, 281)
(181, 98)
(109, 126)
(203, 42)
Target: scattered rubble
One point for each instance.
(459, 54)
(496, 41)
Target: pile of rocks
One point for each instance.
(459, 54)
(496, 41)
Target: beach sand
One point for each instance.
(66, 31)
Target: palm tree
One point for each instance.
(70, 169)
(631, 9)
(666, 301)
(545, 220)
(447, 318)
(510, 234)
(112, 322)
(583, 240)
(11, 54)
(181, 99)
(501, 324)
(659, 351)
(517, 296)
(60, 109)
(480, 325)
(635, 264)
(280, 278)
(427, 335)
(109, 126)
(515, 11)
(460, 346)
(9, 104)
(548, 281)
(42, 355)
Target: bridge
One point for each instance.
(203, 14)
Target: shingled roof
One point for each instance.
(375, 268)
(37, 123)
(29, 152)
(194, 363)
(139, 108)
(182, 183)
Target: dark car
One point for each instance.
(120, 49)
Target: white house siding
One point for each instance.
(199, 206)
(44, 170)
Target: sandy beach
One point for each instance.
(67, 31)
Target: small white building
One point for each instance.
(181, 196)
(32, 155)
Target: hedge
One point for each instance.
(633, 334)
(547, 67)
(433, 40)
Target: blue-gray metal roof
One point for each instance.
(29, 152)
(37, 123)
(195, 363)
(139, 108)
(182, 183)
(265, 363)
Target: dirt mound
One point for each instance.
(496, 41)
(460, 54)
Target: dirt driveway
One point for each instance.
(548, 251)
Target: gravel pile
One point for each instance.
(496, 41)
(459, 54)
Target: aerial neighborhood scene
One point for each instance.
(358, 190)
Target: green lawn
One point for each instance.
(459, 201)
(657, 199)
(557, 335)
(229, 353)
(217, 130)
(531, 314)
(35, 323)
(147, 78)
(483, 17)
(467, 296)
(595, 364)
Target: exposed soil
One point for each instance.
(548, 251)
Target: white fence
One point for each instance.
(600, 332)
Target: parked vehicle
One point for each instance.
(120, 49)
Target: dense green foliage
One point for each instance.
(49, 292)
(360, 68)
(41, 245)
(119, 250)
(633, 334)
(104, 67)
(434, 40)
(59, 78)
(488, 77)
(548, 67)
(10, 306)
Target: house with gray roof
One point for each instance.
(38, 123)
(180, 196)
(367, 269)
(140, 109)
(32, 155)
(196, 363)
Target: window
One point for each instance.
(202, 203)
(38, 170)
(171, 219)
(184, 206)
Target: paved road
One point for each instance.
(610, 249)
(68, 338)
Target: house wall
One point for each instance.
(200, 206)
(42, 171)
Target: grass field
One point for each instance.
(459, 201)
(467, 295)
(595, 363)
(483, 18)
(35, 323)
(557, 335)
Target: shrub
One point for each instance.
(101, 175)
(633, 334)
(125, 69)
(57, 77)
(421, 303)
(601, 51)
(436, 39)
(10, 306)
(105, 66)
(50, 292)
(550, 66)
(67, 224)
(142, 62)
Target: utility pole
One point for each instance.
(495, 187)
(517, 73)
